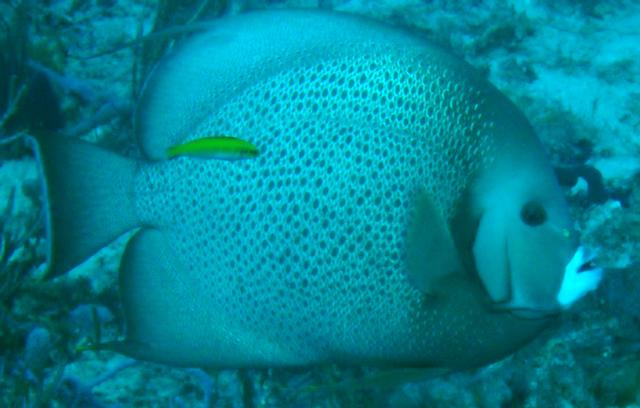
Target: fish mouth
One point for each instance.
(526, 312)
(581, 276)
(588, 266)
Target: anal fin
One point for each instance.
(155, 295)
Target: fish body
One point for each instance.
(215, 147)
(377, 146)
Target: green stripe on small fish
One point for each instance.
(215, 147)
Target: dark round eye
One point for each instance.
(533, 214)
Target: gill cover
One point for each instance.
(523, 242)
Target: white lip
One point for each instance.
(576, 283)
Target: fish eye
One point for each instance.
(533, 214)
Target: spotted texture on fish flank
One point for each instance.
(306, 242)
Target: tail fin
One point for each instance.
(89, 199)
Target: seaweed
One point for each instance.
(13, 45)
(17, 254)
(28, 102)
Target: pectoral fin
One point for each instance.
(431, 251)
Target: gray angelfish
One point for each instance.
(400, 212)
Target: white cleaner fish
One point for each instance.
(401, 211)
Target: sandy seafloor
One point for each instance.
(572, 66)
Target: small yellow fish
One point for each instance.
(215, 147)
